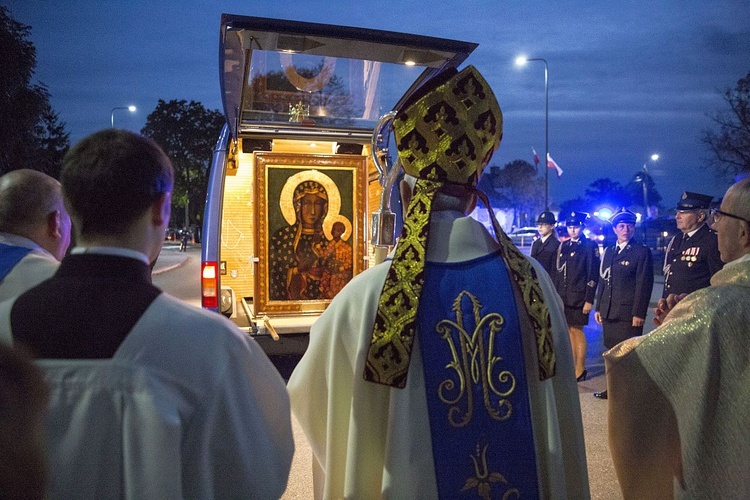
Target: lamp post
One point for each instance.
(654, 157)
(130, 108)
(521, 61)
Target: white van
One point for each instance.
(294, 180)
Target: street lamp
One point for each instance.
(130, 108)
(521, 61)
(646, 210)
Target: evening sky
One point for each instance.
(626, 79)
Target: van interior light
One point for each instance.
(410, 63)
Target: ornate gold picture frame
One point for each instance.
(309, 220)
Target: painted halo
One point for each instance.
(286, 202)
(330, 221)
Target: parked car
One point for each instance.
(523, 236)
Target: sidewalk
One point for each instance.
(602, 480)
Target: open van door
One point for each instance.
(293, 182)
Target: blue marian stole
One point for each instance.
(475, 382)
(10, 255)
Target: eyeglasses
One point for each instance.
(715, 215)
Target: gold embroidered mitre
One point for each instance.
(445, 135)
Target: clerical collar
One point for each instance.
(116, 251)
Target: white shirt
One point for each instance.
(691, 233)
(229, 408)
(116, 251)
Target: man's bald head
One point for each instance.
(733, 231)
(738, 198)
(31, 206)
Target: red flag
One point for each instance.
(536, 157)
(552, 164)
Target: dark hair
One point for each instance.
(111, 178)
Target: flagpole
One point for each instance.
(521, 60)
(546, 132)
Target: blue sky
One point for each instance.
(626, 79)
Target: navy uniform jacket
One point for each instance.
(546, 253)
(625, 283)
(577, 271)
(689, 264)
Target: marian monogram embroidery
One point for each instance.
(474, 364)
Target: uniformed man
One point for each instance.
(626, 277)
(577, 274)
(693, 255)
(544, 248)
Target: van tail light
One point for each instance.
(209, 285)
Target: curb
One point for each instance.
(169, 267)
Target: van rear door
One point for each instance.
(303, 97)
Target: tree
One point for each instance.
(516, 186)
(635, 191)
(577, 204)
(187, 132)
(609, 192)
(31, 135)
(602, 192)
(730, 147)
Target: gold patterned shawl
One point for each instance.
(445, 136)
